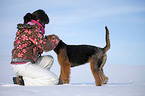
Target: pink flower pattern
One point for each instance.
(24, 50)
(20, 54)
(24, 39)
(29, 32)
(27, 37)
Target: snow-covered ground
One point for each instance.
(111, 89)
(124, 80)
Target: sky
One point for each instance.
(83, 22)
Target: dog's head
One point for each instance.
(54, 40)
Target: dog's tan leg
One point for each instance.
(60, 79)
(96, 74)
(65, 67)
(64, 75)
(104, 78)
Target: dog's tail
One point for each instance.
(107, 47)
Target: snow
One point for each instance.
(124, 80)
(112, 89)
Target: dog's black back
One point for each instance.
(79, 54)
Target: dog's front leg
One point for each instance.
(65, 67)
(60, 79)
(64, 75)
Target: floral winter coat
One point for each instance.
(30, 43)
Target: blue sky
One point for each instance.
(83, 22)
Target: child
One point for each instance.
(31, 68)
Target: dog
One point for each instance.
(75, 55)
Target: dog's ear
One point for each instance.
(48, 37)
(45, 37)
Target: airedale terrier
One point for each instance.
(75, 55)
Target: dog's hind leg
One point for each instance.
(96, 74)
(105, 79)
